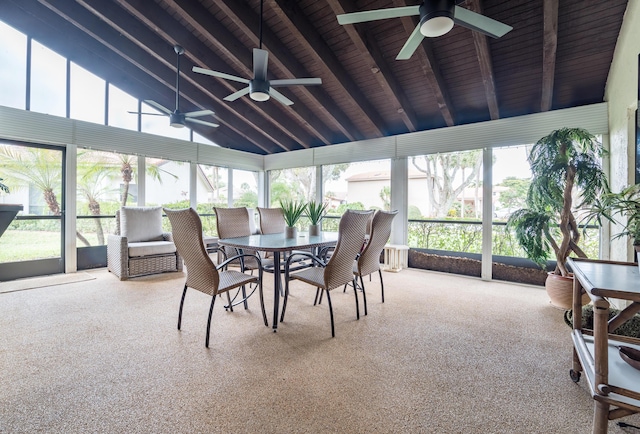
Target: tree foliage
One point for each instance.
(443, 184)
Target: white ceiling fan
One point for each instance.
(177, 118)
(260, 88)
(437, 18)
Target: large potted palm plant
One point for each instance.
(564, 165)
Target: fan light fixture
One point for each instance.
(176, 120)
(437, 26)
(436, 18)
(258, 90)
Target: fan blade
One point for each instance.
(198, 113)
(234, 96)
(143, 113)
(198, 121)
(219, 75)
(411, 45)
(260, 59)
(296, 82)
(280, 97)
(480, 23)
(158, 106)
(379, 14)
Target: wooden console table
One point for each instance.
(614, 384)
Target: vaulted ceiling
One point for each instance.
(557, 56)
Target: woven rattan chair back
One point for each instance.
(271, 220)
(351, 234)
(187, 236)
(232, 222)
(369, 260)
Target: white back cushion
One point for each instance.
(141, 223)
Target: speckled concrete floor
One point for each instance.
(443, 354)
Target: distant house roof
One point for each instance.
(381, 175)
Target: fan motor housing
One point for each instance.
(176, 120)
(436, 8)
(259, 90)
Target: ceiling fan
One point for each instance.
(177, 118)
(437, 17)
(259, 87)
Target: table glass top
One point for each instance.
(278, 242)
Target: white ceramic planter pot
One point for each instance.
(290, 232)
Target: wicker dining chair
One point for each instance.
(202, 274)
(369, 260)
(271, 220)
(338, 271)
(232, 223)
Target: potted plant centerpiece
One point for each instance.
(292, 211)
(564, 164)
(316, 212)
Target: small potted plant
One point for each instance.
(563, 163)
(292, 211)
(316, 212)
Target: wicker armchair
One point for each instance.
(202, 273)
(369, 260)
(338, 271)
(139, 246)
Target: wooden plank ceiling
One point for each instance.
(557, 56)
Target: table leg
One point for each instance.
(601, 418)
(277, 284)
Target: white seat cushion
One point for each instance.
(141, 223)
(151, 248)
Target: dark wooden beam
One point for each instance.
(549, 48)
(298, 24)
(248, 21)
(430, 68)
(370, 51)
(57, 33)
(484, 61)
(169, 31)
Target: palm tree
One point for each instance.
(94, 181)
(35, 166)
(128, 171)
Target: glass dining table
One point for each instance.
(278, 244)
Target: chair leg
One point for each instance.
(244, 295)
(381, 284)
(364, 294)
(229, 306)
(315, 300)
(206, 342)
(181, 304)
(333, 331)
(355, 291)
